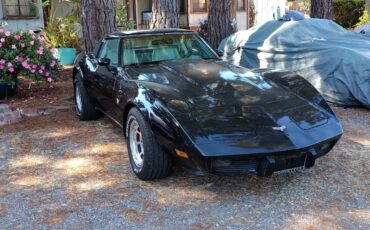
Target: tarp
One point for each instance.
(334, 60)
(363, 29)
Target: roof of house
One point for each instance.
(147, 32)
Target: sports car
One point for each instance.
(177, 102)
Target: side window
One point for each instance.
(109, 49)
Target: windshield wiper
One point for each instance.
(143, 63)
(211, 58)
(152, 62)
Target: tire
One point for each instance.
(85, 109)
(148, 160)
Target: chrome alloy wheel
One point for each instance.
(136, 144)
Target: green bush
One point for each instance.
(24, 53)
(347, 13)
(121, 17)
(61, 33)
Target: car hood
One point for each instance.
(224, 106)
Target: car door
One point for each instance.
(103, 78)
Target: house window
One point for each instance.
(199, 5)
(241, 5)
(20, 8)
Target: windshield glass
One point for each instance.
(155, 48)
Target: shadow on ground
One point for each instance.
(58, 172)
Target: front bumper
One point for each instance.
(262, 164)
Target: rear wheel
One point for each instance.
(147, 159)
(85, 109)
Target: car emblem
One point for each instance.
(281, 128)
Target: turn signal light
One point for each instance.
(182, 154)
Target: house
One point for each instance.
(192, 13)
(22, 14)
(28, 14)
(267, 10)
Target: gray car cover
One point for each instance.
(334, 60)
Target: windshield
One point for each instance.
(156, 48)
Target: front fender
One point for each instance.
(162, 107)
(157, 104)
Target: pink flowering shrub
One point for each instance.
(25, 53)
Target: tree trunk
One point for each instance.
(165, 14)
(97, 20)
(322, 9)
(221, 21)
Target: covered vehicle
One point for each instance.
(177, 101)
(335, 61)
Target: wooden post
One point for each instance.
(128, 9)
(136, 14)
(188, 12)
(247, 11)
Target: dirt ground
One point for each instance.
(59, 173)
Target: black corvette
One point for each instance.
(177, 101)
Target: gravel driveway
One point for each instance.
(59, 173)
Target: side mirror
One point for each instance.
(104, 61)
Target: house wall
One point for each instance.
(130, 9)
(266, 8)
(183, 20)
(142, 5)
(242, 20)
(60, 9)
(196, 18)
(24, 24)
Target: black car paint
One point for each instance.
(211, 109)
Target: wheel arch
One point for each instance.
(75, 71)
(126, 110)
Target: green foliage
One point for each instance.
(347, 12)
(33, 7)
(25, 53)
(61, 33)
(363, 19)
(121, 17)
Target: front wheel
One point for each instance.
(85, 109)
(147, 159)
